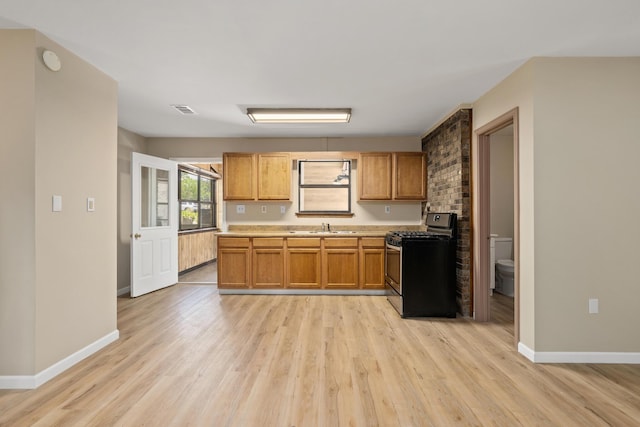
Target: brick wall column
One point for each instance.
(448, 149)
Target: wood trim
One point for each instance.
(481, 217)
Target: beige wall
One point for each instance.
(209, 148)
(516, 91)
(586, 168)
(365, 213)
(128, 142)
(578, 159)
(501, 193)
(69, 275)
(17, 210)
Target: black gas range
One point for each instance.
(420, 268)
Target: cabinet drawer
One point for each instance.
(268, 242)
(341, 242)
(372, 242)
(303, 242)
(233, 242)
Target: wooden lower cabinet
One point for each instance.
(372, 263)
(303, 263)
(268, 263)
(234, 262)
(340, 263)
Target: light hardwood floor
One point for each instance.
(188, 356)
(208, 273)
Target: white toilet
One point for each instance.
(502, 264)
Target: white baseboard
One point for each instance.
(35, 381)
(123, 291)
(578, 357)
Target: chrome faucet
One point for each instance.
(323, 227)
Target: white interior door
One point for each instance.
(154, 223)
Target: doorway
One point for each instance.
(201, 218)
(482, 217)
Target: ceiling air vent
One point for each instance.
(184, 109)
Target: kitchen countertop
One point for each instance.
(309, 231)
(303, 233)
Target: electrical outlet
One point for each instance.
(387, 209)
(240, 209)
(263, 209)
(593, 306)
(282, 209)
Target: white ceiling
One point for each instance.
(400, 65)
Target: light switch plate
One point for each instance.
(593, 306)
(57, 204)
(263, 208)
(282, 209)
(91, 204)
(387, 209)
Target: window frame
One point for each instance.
(200, 174)
(348, 186)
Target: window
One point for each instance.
(154, 195)
(196, 199)
(324, 186)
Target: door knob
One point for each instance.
(137, 235)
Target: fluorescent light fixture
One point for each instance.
(299, 115)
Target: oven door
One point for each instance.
(392, 267)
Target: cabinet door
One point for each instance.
(410, 181)
(340, 263)
(372, 263)
(268, 268)
(268, 263)
(340, 268)
(234, 262)
(303, 268)
(274, 176)
(233, 268)
(239, 179)
(374, 176)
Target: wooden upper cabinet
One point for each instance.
(410, 173)
(392, 176)
(375, 176)
(238, 176)
(250, 176)
(274, 176)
